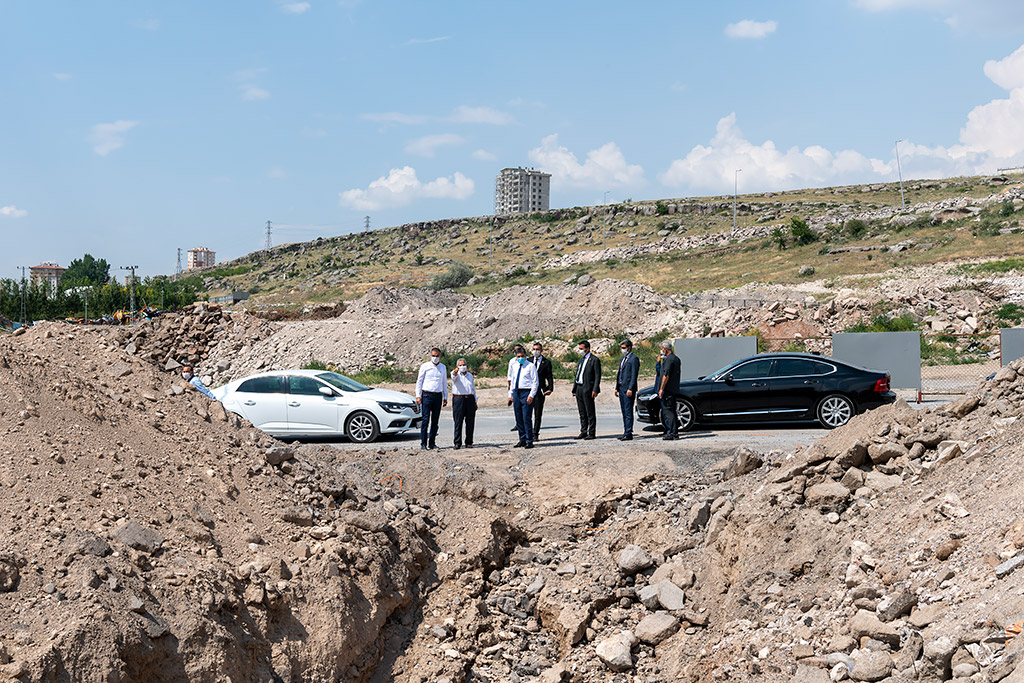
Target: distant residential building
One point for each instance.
(522, 190)
(48, 273)
(201, 257)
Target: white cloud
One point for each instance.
(295, 7)
(604, 167)
(425, 41)
(494, 117)
(395, 117)
(401, 186)
(749, 28)
(959, 14)
(253, 93)
(427, 145)
(106, 137)
(61, 76)
(483, 155)
(1007, 73)
(11, 211)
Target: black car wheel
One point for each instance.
(834, 410)
(362, 428)
(686, 414)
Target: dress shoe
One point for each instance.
(469, 445)
(457, 446)
(529, 445)
(514, 429)
(423, 447)
(432, 447)
(626, 437)
(589, 438)
(669, 437)
(581, 436)
(519, 445)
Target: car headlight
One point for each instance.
(392, 407)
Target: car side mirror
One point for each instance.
(327, 391)
(729, 378)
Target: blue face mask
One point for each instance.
(522, 361)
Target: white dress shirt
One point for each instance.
(583, 366)
(526, 375)
(463, 384)
(432, 378)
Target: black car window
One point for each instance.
(798, 367)
(305, 386)
(263, 385)
(753, 370)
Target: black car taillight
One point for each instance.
(882, 384)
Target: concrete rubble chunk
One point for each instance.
(136, 536)
(275, 455)
(670, 596)
(865, 623)
(744, 461)
(632, 559)
(870, 666)
(884, 452)
(828, 492)
(1011, 565)
(898, 606)
(656, 627)
(616, 651)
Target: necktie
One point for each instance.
(518, 372)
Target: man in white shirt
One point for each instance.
(464, 402)
(432, 395)
(522, 387)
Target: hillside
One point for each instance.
(677, 246)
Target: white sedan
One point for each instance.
(304, 403)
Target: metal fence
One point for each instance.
(950, 363)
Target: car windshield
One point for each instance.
(342, 382)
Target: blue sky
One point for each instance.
(129, 129)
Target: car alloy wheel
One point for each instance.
(686, 414)
(362, 428)
(834, 411)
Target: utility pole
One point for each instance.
(903, 201)
(87, 304)
(366, 224)
(268, 244)
(177, 270)
(735, 191)
(24, 292)
(131, 289)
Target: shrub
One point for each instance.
(1011, 313)
(419, 259)
(778, 237)
(661, 208)
(855, 227)
(802, 232)
(458, 275)
(1006, 209)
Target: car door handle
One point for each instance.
(757, 384)
(249, 403)
(811, 381)
(294, 404)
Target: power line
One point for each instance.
(366, 225)
(23, 293)
(268, 244)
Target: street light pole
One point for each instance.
(903, 201)
(735, 191)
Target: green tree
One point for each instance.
(86, 271)
(458, 275)
(801, 232)
(778, 238)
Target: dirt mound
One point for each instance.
(388, 326)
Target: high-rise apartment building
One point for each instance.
(522, 190)
(49, 273)
(201, 257)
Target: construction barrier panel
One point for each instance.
(899, 353)
(698, 357)
(1011, 345)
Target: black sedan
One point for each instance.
(774, 387)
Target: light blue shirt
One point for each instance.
(201, 388)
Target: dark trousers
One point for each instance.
(524, 415)
(626, 406)
(588, 411)
(538, 411)
(431, 407)
(464, 411)
(669, 417)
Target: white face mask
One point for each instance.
(435, 359)
(582, 352)
(536, 353)
(186, 375)
(624, 351)
(462, 369)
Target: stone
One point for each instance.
(676, 573)
(963, 406)
(632, 559)
(937, 656)
(898, 606)
(853, 479)
(656, 627)
(884, 452)
(828, 492)
(275, 455)
(743, 462)
(870, 666)
(699, 515)
(648, 596)
(297, 515)
(670, 596)
(924, 615)
(865, 623)
(585, 279)
(878, 482)
(9, 573)
(1008, 567)
(616, 651)
(854, 456)
(136, 536)
(135, 603)
(945, 549)
(949, 450)
(805, 271)
(171, 365)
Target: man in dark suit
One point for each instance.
(547, 385)
(585, 388)
(669, 390)
(625, 387)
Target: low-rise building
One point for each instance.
(201, 257)
(48, 273)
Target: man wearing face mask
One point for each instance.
(546, 384)
(432, 395)
(186, 374)
(464, 402)
(625, 387)
(522, 388)
(585, 388)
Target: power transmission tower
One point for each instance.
(24, 291)
(268, 244)
(366, 224)
(177, 270)
(131, 290)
